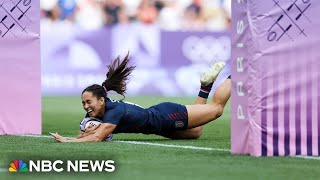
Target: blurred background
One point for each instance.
(170, 41)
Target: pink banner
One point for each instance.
(239, 56)
(20, 65)
(276, 78)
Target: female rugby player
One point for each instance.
(167, 119)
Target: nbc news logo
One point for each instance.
(57, 166)
(18, 166)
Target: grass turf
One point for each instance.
(133, 161)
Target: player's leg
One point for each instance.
(206, 80)
(200, 114)
(192, 133)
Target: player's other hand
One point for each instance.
(58, 137)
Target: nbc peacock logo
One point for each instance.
(18, 166)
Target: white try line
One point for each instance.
(308, 157)
(150, 144)
(174, 146)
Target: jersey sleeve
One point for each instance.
(114, 115)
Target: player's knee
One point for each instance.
(196, 133)
(216, 110)
(219, 110)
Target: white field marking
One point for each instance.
(308, 157)
(173, 146)
(3, 170)
(150, 144)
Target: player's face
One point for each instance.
(93, 105)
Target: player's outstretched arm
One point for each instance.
(80, 134)
(99, 134)
(90, 130)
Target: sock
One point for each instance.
(205, 90)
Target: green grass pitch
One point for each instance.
(141, 161)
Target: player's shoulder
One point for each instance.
(127, 103)
(111, 101)
(114, 111)
(112, 104)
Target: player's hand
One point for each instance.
(59, 138)
(91, 129)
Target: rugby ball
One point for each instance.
(91, 121)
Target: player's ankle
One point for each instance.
(205, 91)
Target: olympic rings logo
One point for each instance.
(207, 48)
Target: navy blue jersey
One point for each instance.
(158, 119)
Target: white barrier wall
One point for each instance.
(276, 77)
(20, 91)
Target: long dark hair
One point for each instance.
(116, 78)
